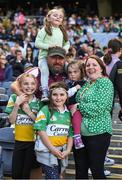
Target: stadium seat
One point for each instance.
(6, 151)
(2, 90)
(3, 101)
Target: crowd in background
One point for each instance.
(18, 33)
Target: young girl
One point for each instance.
(23, 155)
(53, 125)
(52, 34)
(75, 82)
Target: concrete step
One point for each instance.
(115, 150)
(70, 174)
(117, 125)
(117, 131)
(116, 143)
(116, 168)
(117, 158)
(116, 137)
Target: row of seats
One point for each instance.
(5, 92)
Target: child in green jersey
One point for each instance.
(53, 125)
(23, 155)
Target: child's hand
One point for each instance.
(65, 154)
(57, 153)
(21, 99)
(78, 86)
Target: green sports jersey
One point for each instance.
(24, 124)
(57, 126)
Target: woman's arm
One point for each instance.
(15, 87)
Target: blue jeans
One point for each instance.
(43, 66)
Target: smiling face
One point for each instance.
(28, 85)
(56, 17)
(59, 97)
(74, 72)
(93, 69)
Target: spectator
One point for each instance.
(95, 100)
(6, 71)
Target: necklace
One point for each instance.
(87, 87)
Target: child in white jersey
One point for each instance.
(52, 34)
(53, 125)
(23, 155)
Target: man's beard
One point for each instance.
(56, 71)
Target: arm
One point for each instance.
(39, 42)
(48, 144)
(69, 147)
(15, 87)
(66, 46)
(73, 90)
(19, 100)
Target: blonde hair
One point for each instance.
(25, 75)
(47, 23)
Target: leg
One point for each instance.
(96, 153)
(17, 161)
(51, 172)
(44, 73)
(81, 163)
(76, 123)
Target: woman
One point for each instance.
(6, 71)
(95, 100)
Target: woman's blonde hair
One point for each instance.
(47, 23)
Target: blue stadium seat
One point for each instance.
(6, 148)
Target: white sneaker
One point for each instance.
(109, 161)
(106, 172)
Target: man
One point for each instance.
(56, 63)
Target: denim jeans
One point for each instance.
(43, 66)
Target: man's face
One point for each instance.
(56, 64)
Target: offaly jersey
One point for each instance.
(24, 124)
(57, 126)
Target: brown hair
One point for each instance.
(48, 24)
(100, 62)
(81, 67)
(52, 87)
(114, 46)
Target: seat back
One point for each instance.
(3, 101)
(2, 90)
(7, 144)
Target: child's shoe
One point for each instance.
(78, 141)
(44, 97)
